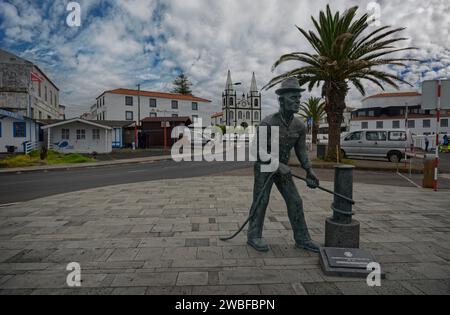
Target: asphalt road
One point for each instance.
(28, 186)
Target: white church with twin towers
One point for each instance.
(241, 110)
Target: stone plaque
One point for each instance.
(348, 258)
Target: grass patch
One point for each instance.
(53, 158)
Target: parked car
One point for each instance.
(388, 144)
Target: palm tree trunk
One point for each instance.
(335, 98)
(315, 131)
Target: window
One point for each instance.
(128, 101)
(444, 123)
(96, 134)
(231, 115)
(45, 93)
(152, 114)
(19, 130)
(371, 113)
(128, 115)
(397, 136)
(239, 115)
(194, 106)
(356, 136)
(256, 116)
(152, 102)
(364, 125)
(411, 124)
(174, 115)
(174, 104)
(65, 134)
(376, 136)
(247, 115)
(81, 134)
(256, 104)
(51, 97)
(426, 123)
(56, 101)
(0, 129)
(380, 125)
(396, 124)
(40, 89)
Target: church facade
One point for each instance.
(242, 110)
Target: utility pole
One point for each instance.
(138, 123)
(438, 119)
(408, 136)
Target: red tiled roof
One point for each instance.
(217, 115)
(172, 96)
(395, 94)
(402, 118)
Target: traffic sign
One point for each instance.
(430, 95)
(445, 94)
(431, 92)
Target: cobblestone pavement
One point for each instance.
(161, 237)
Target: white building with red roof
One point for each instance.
(134, 105)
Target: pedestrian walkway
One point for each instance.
(162, 237)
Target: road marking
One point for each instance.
(409, 180)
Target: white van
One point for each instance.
(390, 144)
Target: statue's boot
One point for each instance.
(308, 245)
(259, 244)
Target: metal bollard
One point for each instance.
(343, 184)
(341, 230)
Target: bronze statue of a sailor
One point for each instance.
(292, 134)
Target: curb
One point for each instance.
(372, 169)
(66, 167)
(168, 157)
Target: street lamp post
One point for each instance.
(138, 122)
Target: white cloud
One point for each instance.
(124, 43)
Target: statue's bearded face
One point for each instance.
(290, 101)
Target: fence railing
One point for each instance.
(30, 146)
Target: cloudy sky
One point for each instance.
(122, 43)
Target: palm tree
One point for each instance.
(345, 52)
(313, 109)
